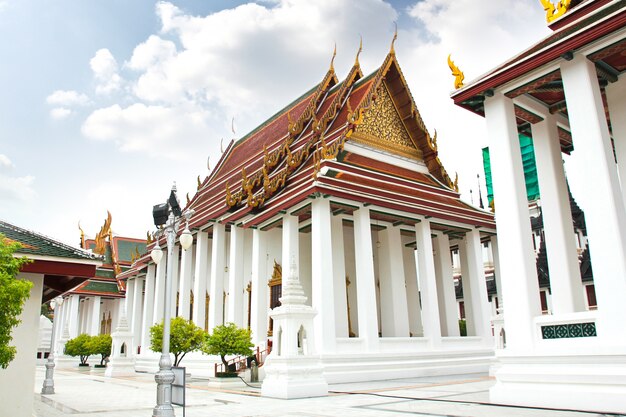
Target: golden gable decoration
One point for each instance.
(382, 127)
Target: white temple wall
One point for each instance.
(247, 272)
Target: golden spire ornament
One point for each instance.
(332, 63)
(356, 60)
(552, 12)
(395, 36)
(457, 73)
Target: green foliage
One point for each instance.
(13, 295)
(463, 327)
(228, 339)
(100, 345)
(79, 346)
(185, 337)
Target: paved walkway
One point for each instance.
(90, 394)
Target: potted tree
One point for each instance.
(228, 339)
(185, 337)
(79, 346)
(101, 345)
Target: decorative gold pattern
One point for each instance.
(383, 128)
(199, 183)
(277, 275)
(105, 231)
(552, 12)
(457, 73)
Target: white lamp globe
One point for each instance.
(186, 239)
(156, 254)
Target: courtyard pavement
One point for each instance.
(91, 394)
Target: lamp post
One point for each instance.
(167, 218)
(48, 383)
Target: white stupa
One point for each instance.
(121, 361)
(293, 370)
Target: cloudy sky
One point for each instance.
(103, 104)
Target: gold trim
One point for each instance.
(552, 12)
(370, 140)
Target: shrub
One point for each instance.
(463, 327)
(79, 346)
(228, 339)
(185, 337)
(101, 345)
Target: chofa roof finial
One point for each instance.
(395, 36)
(356, 60)
(332, 60)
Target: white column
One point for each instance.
(475, 286)
(519, 273)
(159, 290)
(616, 100)
(148, 308)
(322, 276)
(565, 281)
(445, 286)
(175, 279)
(339, 274)
(365, 279)
(200, 278)
(290, 244)
(130, 299)
(394, 311)
(73, 315)
(497, 272)
(136, 313)
(218, 261)
(427, 282)
(184, 292)
(58, 327)
(412, 292)
(258, 319)
(604, 211)
(235, 276)
(94, 325)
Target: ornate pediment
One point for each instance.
(383, 128)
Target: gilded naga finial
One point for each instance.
(458, 74)
(188, 199)
(395, 36)
(222, 145)
(455, 185)
(552, 12)
(356, 60)
(199, 183)
(232, 125)
(82, 236)
(101, 236)
(332, 60)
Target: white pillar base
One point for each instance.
(122, 366)
(588, 382)
(294, 377)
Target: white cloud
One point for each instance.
(5, 162)
(173, 133)
(59, 113)
(151, 52)
(16, 188)
(67, 98)
(105, 70)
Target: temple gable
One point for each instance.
(383, 128)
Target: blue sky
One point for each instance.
(104, 103)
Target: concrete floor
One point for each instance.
(89, 393)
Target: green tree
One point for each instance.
(80, 346)
(101, 345)
(185, 337)
(13, 295)
(228, 339)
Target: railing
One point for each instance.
(241, 363)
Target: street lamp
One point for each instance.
(167, 218)
(48, 383)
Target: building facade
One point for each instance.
(568, 93)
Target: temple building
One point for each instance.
(345, 188)
(94, 306)
(54, 269)
(568, 93)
